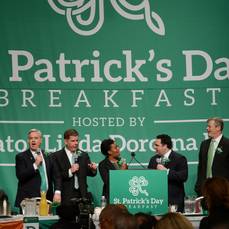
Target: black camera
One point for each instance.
(86, 209)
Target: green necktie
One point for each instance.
(211, 153)
(44, 186)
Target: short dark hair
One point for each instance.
(218, 122)
(70, 132)
(165, 140)
(106, 146)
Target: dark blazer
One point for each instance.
(65, 183)
(178, 174)
(220, 166)
(29, 179)
(104, 167)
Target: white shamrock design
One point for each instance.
(136, 184)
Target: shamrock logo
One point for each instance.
(136, 184)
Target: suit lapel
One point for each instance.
(29, 156)
(171, 159)
(65, 159)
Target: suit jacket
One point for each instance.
(220, 165)
(29, 179)
(178, 174)
(104, 167)
(65, 183)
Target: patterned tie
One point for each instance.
(211, 153)
(75, 161)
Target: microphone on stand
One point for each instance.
(133, 158)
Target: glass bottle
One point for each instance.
(103, 202)
(43, 207)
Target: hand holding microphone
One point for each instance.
(161, 163)
(122, 163)
(75, 166)
(38, 159)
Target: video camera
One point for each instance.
(86, 209)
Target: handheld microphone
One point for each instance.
(121, 161)
(38, 151)
(76, 159)
(158, 160)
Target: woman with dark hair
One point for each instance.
(145, 221)
(112, 161)
(216, 194)
(109, 215)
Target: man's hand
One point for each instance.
(38, 160)
(124, 166)
(57, 198)
(92, 166)
(161, 167)
(75, 168)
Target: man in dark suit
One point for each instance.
(112, 161)
(71, 168)
(213, 154)
(176, 166)
(33, 170)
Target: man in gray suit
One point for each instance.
(213, 154)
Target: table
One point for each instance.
(16, 222)
(194, 219)
(11, 222)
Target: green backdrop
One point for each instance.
(126, 69)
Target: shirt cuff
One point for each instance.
(70, 173)
(35, 166)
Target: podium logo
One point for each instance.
(86, 17)
(137, 184)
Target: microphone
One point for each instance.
(135, 159)
(121, 161)
(76, 159)
(38, 151)
(159, 160)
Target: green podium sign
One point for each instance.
(140, 190)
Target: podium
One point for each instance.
(140, 190)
